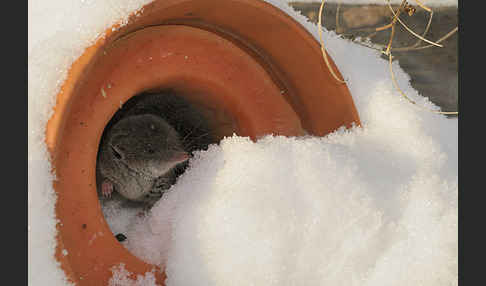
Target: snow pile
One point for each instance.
(370, 206)
(375, 205)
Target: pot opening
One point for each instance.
(124, 165)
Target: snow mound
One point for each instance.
(367, 206)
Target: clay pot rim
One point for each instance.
(56, 125)
(118, 32)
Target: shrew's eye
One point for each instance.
(116, 153)
(149, 149)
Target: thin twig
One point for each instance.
(388, 47)
(419, 40)
(410, 30)
(445, 37)
(390, 59)
(392, 24)
(324, 54)
(426, 30)
(423, 6)
(381, 47)
(387, 26)
(410, 100)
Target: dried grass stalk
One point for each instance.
(323, 50)
(404, 6)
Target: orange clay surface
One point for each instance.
(251, 77)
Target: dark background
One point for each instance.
(434, 71)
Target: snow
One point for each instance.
(331, 211)
(375, 205)
(120, 278)
(59, 31)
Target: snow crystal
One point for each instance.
(121, 277)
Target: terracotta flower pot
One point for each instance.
(249, 66)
